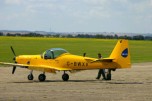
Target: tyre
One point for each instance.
(65, 77)
(42, 77)
(30, 77)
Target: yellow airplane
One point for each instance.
(58, 59)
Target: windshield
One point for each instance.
(53, 53)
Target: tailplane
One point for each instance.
(121, 54)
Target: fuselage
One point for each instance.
(65, 60)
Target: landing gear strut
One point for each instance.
(65, 77)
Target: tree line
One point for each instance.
(98, 36)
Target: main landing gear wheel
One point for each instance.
(65, 77)
(42, 77)
(30, 77)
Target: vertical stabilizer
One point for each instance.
(121, 54)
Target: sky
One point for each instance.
(128, 16)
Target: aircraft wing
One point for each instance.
(13, 64)
(37, 67)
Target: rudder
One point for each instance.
(121, 54)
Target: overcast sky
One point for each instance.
(77, 15)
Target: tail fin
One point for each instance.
(121, 54)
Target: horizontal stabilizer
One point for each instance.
(103, 60)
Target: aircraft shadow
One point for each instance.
(125, 83)
(83, 81)
(48, 81)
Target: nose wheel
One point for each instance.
(30, 77)
(65, 77)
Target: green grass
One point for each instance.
(140, 50)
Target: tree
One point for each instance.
(138, 37)
(1, 33)
(8, 34)
(116, 36)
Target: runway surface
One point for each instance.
(133, 84)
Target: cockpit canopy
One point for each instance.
(53, 53)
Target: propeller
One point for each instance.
(13, 51)
(14, 67)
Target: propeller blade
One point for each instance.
(13, 51)
(14, 68)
